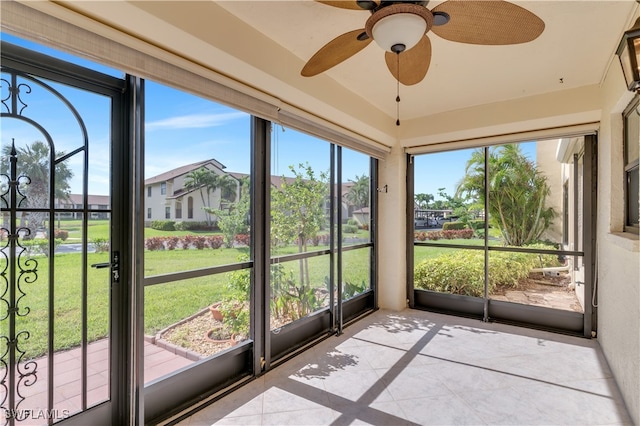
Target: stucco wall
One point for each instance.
(618, 254)
(392, 255)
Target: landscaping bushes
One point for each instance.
(462, 271)
(186, 242)
(453, 226)
(452, 234)
(163, 225)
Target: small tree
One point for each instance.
(297, 211)
(234, 220)
(517, 193)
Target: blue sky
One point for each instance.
(181, 128)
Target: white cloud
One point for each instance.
(195, 121)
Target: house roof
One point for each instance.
(93, 200)
(179, 171)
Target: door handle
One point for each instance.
(114, 264)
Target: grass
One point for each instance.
(421, 253)
(165, 304)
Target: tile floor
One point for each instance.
(421, 368)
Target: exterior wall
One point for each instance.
(547, 164)
(156, 203)
(392, 221)
(618, 253)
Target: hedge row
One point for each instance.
(192, 241)
(172, 225)
(444, 235)
(462, 271)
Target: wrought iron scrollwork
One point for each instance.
(13, 103)
(17, 270)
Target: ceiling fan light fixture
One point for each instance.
(403, 28)
(399, 27)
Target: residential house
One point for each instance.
(167, 196)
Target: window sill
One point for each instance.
(625, 240)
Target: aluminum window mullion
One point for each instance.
(332, 235)
(373, 217)
(260, 247)
(485, 315)
(339, 238)
(410, 261)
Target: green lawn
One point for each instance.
(421, 253)
(165, 304)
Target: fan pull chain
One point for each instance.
(398, 91)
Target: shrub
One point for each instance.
(100, 244)
(433, 235)
(476, 224)
(61, 234)
(349, 229)
(462, 272)
(453, 225)
(352, 222)
(243, 239)
(199, 242)
(457, 273)
(163, 225)
(452, 234)
(215, 241)
(187, 241)
(172, 242)
(154, 243)
(194, 226)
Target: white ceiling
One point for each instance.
(578, 42)
(265, 44)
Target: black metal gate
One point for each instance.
(56, 345)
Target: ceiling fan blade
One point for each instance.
(337, 50)
(488, 22)
(351, 4)
(413, 63)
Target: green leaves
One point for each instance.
(517, 193)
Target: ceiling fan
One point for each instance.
(401, 28)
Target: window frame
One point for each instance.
(629, 166)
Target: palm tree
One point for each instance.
(34, 162)
(358, 194)
(205, 181)
(517, 193)
(423, 200)
(228, 188)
